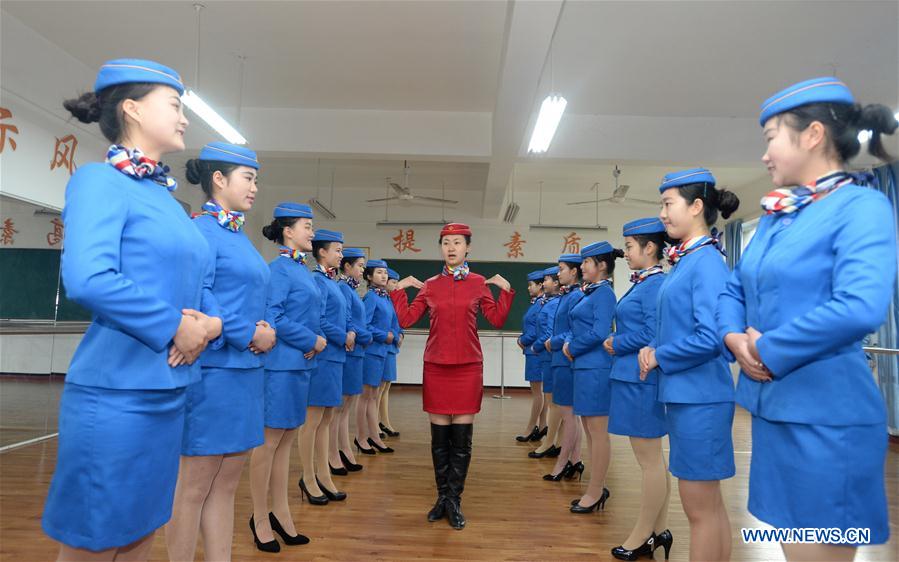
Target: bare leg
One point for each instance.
(217, 519)
(703, 505)
(384, 405)
(373, 429)
(536, 407)
(279, 481)
(575, 456)
(569, 435)
(322, 445)
(597, 428)
(195, 478)
(260, 475)
(343, 434)
(138, 551)
(555, 420)
(655, 493)
(818, 552)
(307, 440)
(362, 431)
(334, 436)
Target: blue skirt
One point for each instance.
(116, 466)
(286, 397)
(225, 412)
(547, 372)
(563, 386)
(352, 376)
(372, 370)
(702, 447)
(325, 385)
(591, 392)
(635, 410)
(389, 368)
(532, 370)
(810, 476)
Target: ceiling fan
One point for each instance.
(618, 196)
(404, 193)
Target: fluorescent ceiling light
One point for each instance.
(547, 121)
(213, 119)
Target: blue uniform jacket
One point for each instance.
(545, 320)
(357, 319)
(294, 304)
(238, 283)
(378, 316)
(591, 324)
(693, 371)
(635, 328)
(135, 260)
(336, 318)
(815, 283)
(395, 327)
(562, 326)
(529, 328)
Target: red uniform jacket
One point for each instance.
(453, 307)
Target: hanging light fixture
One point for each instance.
(551, 109)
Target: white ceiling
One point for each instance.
(454, 85)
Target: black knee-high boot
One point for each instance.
(440, 455)
(460, 459)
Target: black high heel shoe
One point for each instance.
(529, 437)
(541, 434)
(558, 477)
(270, 546)
(297, 539)
(363, 450)
(577, 468)
(550, 453)
(388, 431)
(332, 496)
(351, 467)
(599, 505)
(665, 540)
(314, 500)
(380, 449)
(342, 471)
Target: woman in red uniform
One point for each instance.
(453, 363)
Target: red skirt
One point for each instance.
(452, 389)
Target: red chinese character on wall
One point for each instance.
(64, 153)
(4, 127)
(7, 237)
(55, 237)
(571, 244)
(515, 246)
(405, 240)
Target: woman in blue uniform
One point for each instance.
(390, 365)
(590, 324)
(569, 462)
(695, 383)
(634, 409)
(224, 416)
(122, 410)
(379, 321)
(327, 379)
(545, 318)
(293, 305)
(351, 268)
(815, 280)
(532, 372)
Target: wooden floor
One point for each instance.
(512, 513)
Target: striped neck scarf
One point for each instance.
(675, 253)
(589, 288)
(349, 281)
(133, 163)
(638, 277)
(458, 273)
(535, 299)
(565, 289)
(330, 272)
(380, 291)
(295, 255)
(784, 200)
(230, 220)
(546, 298)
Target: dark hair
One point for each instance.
(345, 260)
(199, 172)
(105, 107)
(608, 259)
(368, 272)
(467, 239)
(319, 245)
(657, 238)
(275, 230)
(843, 123)
(575, 266)
(713, 200)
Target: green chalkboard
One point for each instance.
(28, 287)
(515, 272)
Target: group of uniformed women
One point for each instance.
(816, 278)
(199, 353)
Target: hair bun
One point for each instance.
(85, 108)
(193, 171)
(728, 203)
(877, 118)
(268, 232)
